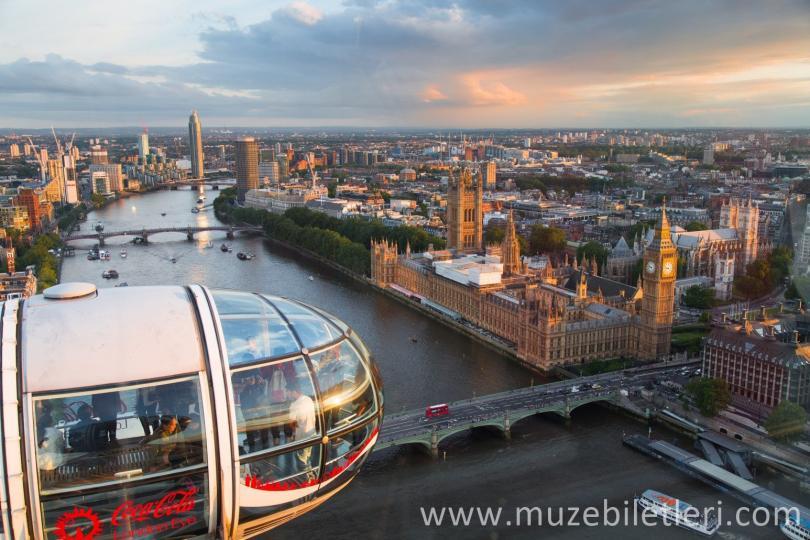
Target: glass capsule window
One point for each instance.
(312, 328)
(253, 328)
(297, 373)
(113, 435)
(346, 390)
(275, 405)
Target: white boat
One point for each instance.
(123, 253)
(311, 278)
(796, 527)
(678, 512)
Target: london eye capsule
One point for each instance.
(166, 412)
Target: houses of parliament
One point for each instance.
(550, 315)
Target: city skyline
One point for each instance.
(396, 64)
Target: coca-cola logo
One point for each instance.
(175, 502)
(79, 524)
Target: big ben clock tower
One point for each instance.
(657, 304)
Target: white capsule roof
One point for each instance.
(108, 337)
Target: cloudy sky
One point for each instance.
(473, 63)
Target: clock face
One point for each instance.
(650, 267)
(667, 268)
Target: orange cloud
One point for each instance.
(490, 93)
(432, 93)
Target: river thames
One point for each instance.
(547, 464)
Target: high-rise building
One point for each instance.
(490, 172)
(143, 145)
(14, 217)
(115, 176)
(70, 190)
(465, 219)
(247, 166)
(54, 189)
(98, 155)
(658, 302)
(100, 182)
(30, 199)
(14, 150)
(195, 145)
(283, 167)
(268, 172)
(708, 155)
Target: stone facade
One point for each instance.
(551, 316)
(465, 218)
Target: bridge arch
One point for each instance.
(144, 232)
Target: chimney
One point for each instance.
(796, 337)
(781, 307)
(762, 313)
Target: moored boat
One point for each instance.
(678, 512)
(796, 527)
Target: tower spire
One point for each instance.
(664, 223)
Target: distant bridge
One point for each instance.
(144, 234)
(500, 411)
(198, 182)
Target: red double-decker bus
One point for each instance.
(437, 410)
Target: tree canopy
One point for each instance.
(494, 234)
(699, 297)
(787, 421)
(762, 275)
(593, 250)
(696, 226)
(548, 240)
(710, 395)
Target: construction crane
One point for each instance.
(69, 145)
(311, 171)
(59, 151)
(43, 167)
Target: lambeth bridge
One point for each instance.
(142, 235)
(500, 411)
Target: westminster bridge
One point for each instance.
(502, 410)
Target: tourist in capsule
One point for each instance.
(302, 417)
(105, 407)
(254, 403)
(165, 440)
(82, 435)
(147, 408)
(277, 376)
